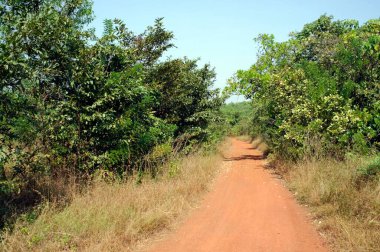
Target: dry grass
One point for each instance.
(118, 216)
(347, 208)
(346, 205)
(258, 143)
(244, 138)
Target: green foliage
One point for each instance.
(318, 91)
(72, 104)
(371, 169)
(185, 97)
(238, 118)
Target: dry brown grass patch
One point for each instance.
(259, 143)
(244, 138)
(348, 211)
(117, 216)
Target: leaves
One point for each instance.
(72, 104)
(320, 84)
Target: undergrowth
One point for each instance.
(114, 216)
(344, 196)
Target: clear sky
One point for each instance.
(221, 32)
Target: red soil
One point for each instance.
(247, 210)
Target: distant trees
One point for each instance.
(318, 91)
(238, 117)
(71, 103)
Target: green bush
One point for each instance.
(322, 83)
(72, 104)
(237, 117)
(371, 169)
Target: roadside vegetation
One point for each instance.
(118, 215)
(316, 106)
(345, 202)
(237, 117)
(93, 128)
(104, 143)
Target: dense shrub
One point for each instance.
(371, 169)
(319, 89)
(238, 118)
(72, 103)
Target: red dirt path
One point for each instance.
(247, 210)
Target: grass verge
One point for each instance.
(344, 196)
(346, 204)
(117, 216)
(260, 144)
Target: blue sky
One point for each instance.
(221, 32)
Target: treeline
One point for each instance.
(72, 104)
(317, 93)
(237, 118)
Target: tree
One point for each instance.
(185, 98)
(72, 104)
(319, 87)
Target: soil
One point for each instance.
(248, 209)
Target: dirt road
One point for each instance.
(247, 210)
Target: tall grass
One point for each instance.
(344, 199)
(260, 144)
(245, 138)
(118, 216)
(257, 143)
(344, 195)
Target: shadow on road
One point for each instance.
(244, 157)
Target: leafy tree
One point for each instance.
(318, 91)
(72, 103)
(185, 96)
(238, 117)
(39, 41)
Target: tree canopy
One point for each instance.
(72, 103)
(318, 90)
